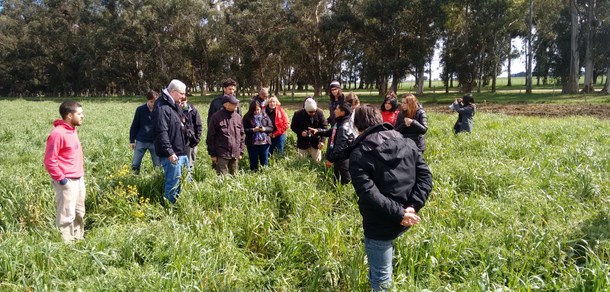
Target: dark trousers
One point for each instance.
(258, 153)
(341, 171)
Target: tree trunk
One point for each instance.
(588, 87)
(530, 54)
(572, 84)
(509, 82)
(607, 85)
(420, 80)
(430, 73)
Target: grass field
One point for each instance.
(520, 204)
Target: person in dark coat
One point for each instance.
(170, 136)
(261, 97)
(194, 128)
(341, 135)
(228, 88)
(412, 121)
(142, 134)
(258, 128)
(309, 117)
(225, 138)
(465, 107)
(392, 182)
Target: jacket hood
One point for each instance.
(62, 123)
(165, 97)
(383, 143)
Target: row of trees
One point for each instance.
(100, 47)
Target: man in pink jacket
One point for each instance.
(63, 160)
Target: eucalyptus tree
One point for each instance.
(546, 15)
(382, 26)
(423, 27)
(255, 27)
(21, 52)
(322, 38)
(571, 86)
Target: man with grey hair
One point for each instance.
(170, 136)
(261, 97)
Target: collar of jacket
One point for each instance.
(340, 121)
(169, 100)
(371, 130)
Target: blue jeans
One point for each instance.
(138, 154)
(258, 153)
(379, 254)
(277, 144)
(173, 173)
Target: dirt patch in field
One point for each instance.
(601, 111)
(546, 110)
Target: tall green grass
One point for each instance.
(519, 204)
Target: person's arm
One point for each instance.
(368, 192)
(297, 125)
(209, 141)
(135, 127)
(51, 158)
(162, 130)
(211, 111)
(323, 125)
(465, 110)
(282, 125)
(343, 139)
(420, 125)
(423, 183)
(198, 125)
(242, 142)
(323, 132)
(248, 128)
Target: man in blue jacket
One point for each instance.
(392, 182)
(170, 136)
(141, 133)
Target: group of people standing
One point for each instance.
(380, 151)
(170, 128)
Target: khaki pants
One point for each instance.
(70, 208)
(226, 165)
(315, 154)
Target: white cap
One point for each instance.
(310, 105)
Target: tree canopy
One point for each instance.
(125, 47)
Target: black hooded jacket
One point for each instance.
(169, 127)
(344, 136)
(389, 174)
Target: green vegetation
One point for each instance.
(521, 204)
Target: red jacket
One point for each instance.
(281, 122)
(63, 156)
(389, 117)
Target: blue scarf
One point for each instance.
(257, 121)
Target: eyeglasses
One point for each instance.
(311, 112)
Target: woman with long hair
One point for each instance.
(465, 107)
(257, 126)
(412, 121)
(336, 97)
(389, 110)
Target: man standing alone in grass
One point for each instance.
(63, 160)
(170, 136)
(392, 182)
